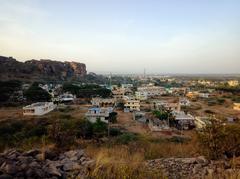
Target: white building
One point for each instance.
(39, 108)
(152, 90)
(141, 95)
(203, 95)
(98, 113)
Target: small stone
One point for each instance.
(34, 165)
(70, 166)
(53, 171)
(10, 168)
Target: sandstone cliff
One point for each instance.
(10, 68)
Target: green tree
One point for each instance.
(37, 94)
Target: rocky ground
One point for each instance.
(75, 164)
(71, 164)
(194, 168)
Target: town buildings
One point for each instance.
(152, 90)
(39, 108)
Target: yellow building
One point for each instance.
(132, 105)
(236, 106)
(233, 83)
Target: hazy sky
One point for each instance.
(125, 36)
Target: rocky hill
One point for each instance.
(10, 68)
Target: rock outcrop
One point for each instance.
(76, 164)
(10, 68)
(71, 164)
(193, 168)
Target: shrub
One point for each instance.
(62, 132)
(84, 129)
(126, 138)
(100, 128)
(115, 132)
(218, 140)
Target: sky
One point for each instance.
(125, 36)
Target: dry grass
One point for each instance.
(128, 161)
(119, 162)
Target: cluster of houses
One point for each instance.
(131, 101)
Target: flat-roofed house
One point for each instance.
(184, 121)
(38, 109)
(95, 113)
